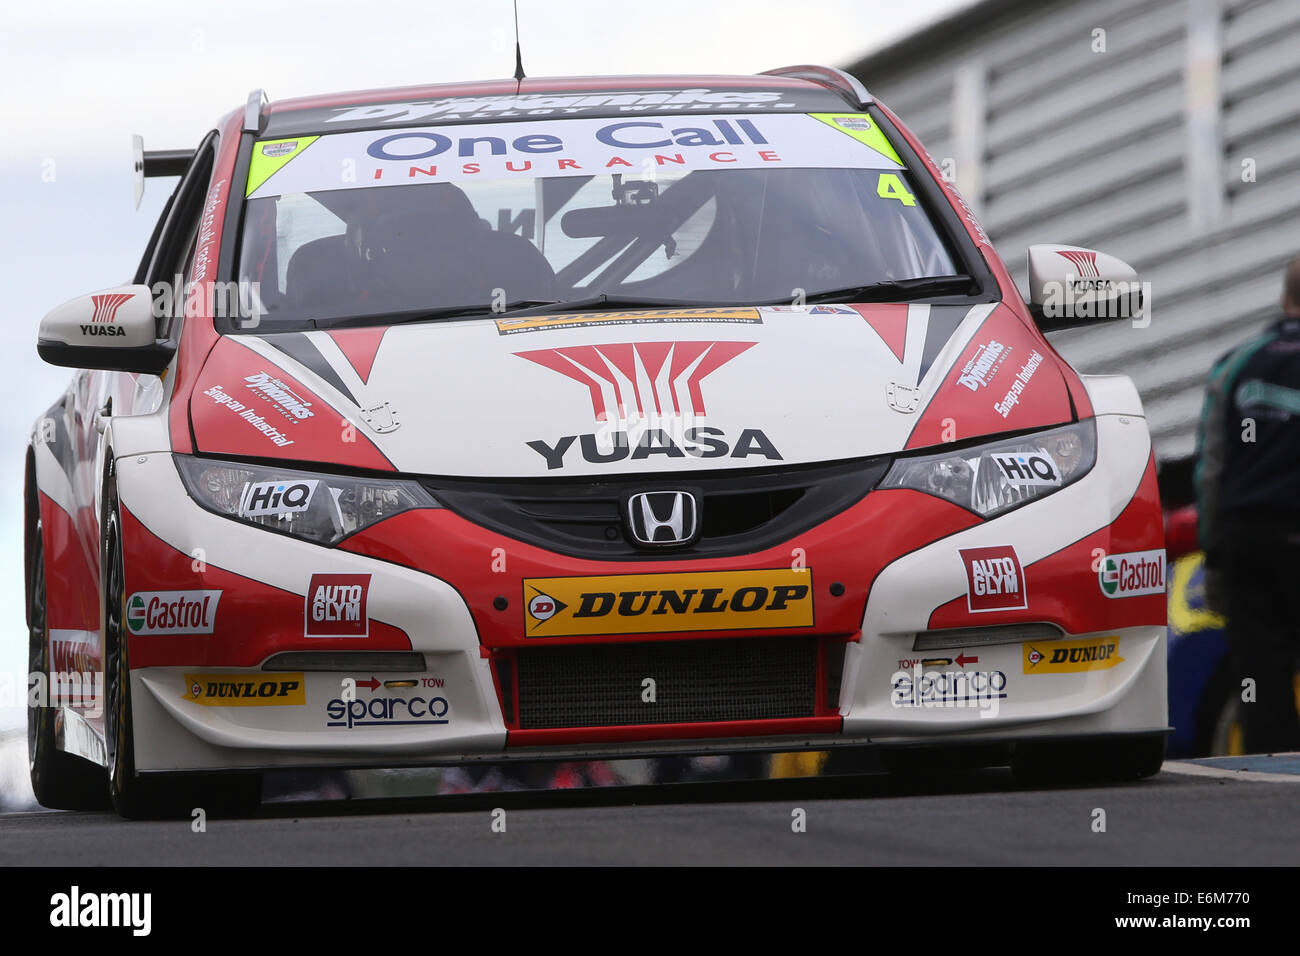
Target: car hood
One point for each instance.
(599, 394)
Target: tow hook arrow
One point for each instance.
(962, 660)
(372, 684)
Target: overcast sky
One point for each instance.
(79, 78)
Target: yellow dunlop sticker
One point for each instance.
(245, 690)
(1071, 657)
(646, 317)
(651, 603)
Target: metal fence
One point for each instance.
(1166, 132)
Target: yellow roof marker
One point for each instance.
(270, 157)
(862, 128)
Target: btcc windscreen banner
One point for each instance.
(570, 147)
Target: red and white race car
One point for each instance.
(576, 418)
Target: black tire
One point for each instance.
(150, 796)
(60, 780)
(1106, 760)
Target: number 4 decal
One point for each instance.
(890, 186)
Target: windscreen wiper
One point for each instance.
(892, 290)
(895, 290)
(427, 315)
(605, 302)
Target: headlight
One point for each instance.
(992, 479)
(309, 505)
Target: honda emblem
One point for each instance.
(663, 518)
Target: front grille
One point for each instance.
(739, 512)
(695, 681)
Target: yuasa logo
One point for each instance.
(106, 306)
(643, 380)
(336, 605)
(1084, 260)
(276, 497)
(172, 612)
(1035, 469)
(647, 401)
(994, 579)
(1132, 574)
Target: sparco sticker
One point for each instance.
(947, 688)
(386, 711)
(1132, 574)
(995, 580)
(172, 612)
(336, 605)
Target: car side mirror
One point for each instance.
(1070, 286)
(113, 329)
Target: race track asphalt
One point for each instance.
(977, 818)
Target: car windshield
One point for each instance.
(714, 210)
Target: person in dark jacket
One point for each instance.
(1248, 497)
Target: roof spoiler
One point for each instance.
(837, 81)
(156, 162)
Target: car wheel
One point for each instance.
(60, 780)
(151, 796)
(1088, 761)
